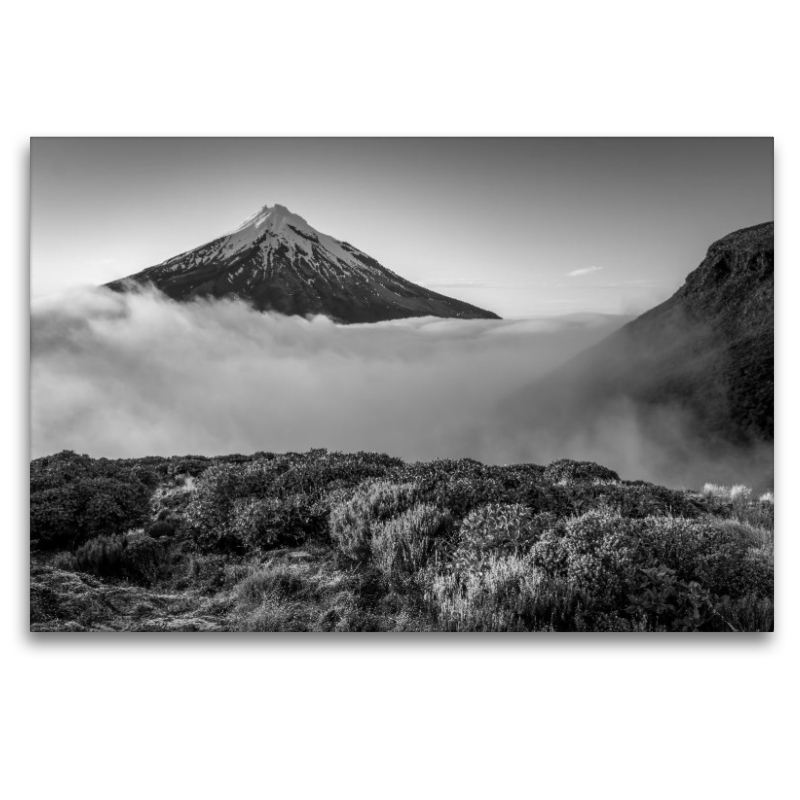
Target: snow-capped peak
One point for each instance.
(278, 223)
(277, 261)
(272, 218)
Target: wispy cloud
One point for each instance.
(576, 273)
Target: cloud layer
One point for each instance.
(130, 375)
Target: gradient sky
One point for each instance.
(524, 227)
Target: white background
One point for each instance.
(395, 716)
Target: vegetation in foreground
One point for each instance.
(324, 541)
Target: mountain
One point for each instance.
(691, 380)
(277, 262)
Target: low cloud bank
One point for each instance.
(660, 444)
(131, 375)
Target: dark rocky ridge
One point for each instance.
(277, 262)
(696, 370)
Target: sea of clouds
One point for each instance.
(136, 374)
(126, 375)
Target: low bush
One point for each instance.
(86, 507)
(169, 500)
(274, 580)
(448, 544)
(667, 571)
(161, 529)
(505, 594)
(354, 521)
(211, 512)
(188, 465)
(137, 558)
(404, 544)
(601, 558)
(639, 499)
(499, 529)
(275, 501)
(567, 471)
(738, 502)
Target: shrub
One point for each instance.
(188, 465)
(263, 524)
(714, 553)
(503, 529)
(256, 522)
(403, 545)
(59, 469)
(460, 495)
(80, 509)
(567, 471)
(600, 557)
(548, 554)
(740, 493)
(660, 572)
(281, 580)
(660, 601)
(210, 509)
(353, 522)
(277, 500)
(145, 475)
(464, 485)
(760, 513)
(276, 597)
(716, 490)
(639, 499)
(161, 528)
(737, 502)
(506, 594)
(170, 500)
(520, 547)
(748, 613)
(137, 558)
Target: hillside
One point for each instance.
(710, 347)
(277, 262)
(324, 541)
(695, 373)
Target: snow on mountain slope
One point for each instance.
(278, 262)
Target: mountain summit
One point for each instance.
(276, 261)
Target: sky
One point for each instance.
(526, 227)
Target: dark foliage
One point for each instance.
(74, 498)
(140, 559)
(277, 501)
(160, 529)
(566, 470)
(444, 545)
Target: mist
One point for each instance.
(659, 444)
(654, 401)
(128, 375)
(125, 375)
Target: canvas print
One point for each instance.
(402, 385)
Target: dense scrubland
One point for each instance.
(324, 541)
